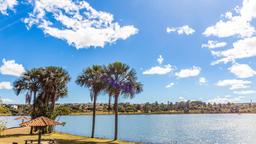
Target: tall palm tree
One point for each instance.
(54, 85)
(54, 82)
(91, 78)
(121, 80)
(29, 83)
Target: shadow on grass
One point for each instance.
(80, 141)
(15, 135)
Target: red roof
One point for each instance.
(40, 121)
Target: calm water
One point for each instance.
(183, 129)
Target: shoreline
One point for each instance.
(158, 113)
(20, 134)
(152, 113)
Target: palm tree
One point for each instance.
(91, 78)
(29, 83)
(121, 80)
(54, 85)
(47, 84)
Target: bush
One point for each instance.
(4, 110)
(2, 126)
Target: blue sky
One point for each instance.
(182, 50)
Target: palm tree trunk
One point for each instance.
(109, 104)
(33, 111)
(116, 116)
(49, 129)
(94, 115)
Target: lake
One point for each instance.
(164, 129)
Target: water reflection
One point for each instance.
(185, 129)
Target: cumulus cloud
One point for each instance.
(242, 70)
(244, 48)
(169, 85)
(234, 84)
(235, 24)
(159, 70)
(202, 80)
(182, 99)
(245, 92)
(5, 85)
(10, 67)
(76, 22)
(225, 99)
(184, 73)
(214, 44)
(6, 5)
(160, 59)
(181, 30)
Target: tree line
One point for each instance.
(44, 86)
(145, 108)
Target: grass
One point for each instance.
(19, 135)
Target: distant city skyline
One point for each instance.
(181, 50)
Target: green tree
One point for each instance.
(30, 84)
(54, 82)
(47, 84)
(91, 78)
(122, 81)
(61, 111)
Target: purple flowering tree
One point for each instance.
(120, 79)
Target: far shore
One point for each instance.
(139, 113)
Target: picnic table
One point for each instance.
(50, 141)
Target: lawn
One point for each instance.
(19, 135)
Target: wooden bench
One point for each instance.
(50, 141)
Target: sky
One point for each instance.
(181, 50)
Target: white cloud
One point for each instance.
(242, 70)
(240, 24)
(202, 80)
(160, 59)
(234, 84)
(77, 23)
(6, 5)
(159, 70)
(5, 85)
(181, 30)
(169, 85)
(225, 99)
(194, 71)
(244, 48)
(245, 92)
(229, 15)
(214, 44)
(10, 67)
(182, 99)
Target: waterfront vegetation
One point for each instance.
(44, 86)
(145, 108)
